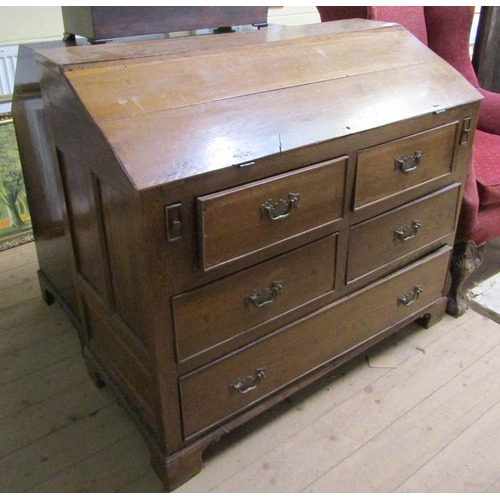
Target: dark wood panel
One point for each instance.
(122, 233)
(84, 219)
(102, 23)
(126, 362)
(43, 183)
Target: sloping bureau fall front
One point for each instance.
(247, 211)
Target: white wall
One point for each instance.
(24, 24)
(292, 15)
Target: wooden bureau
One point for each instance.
(245, 212)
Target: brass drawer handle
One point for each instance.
(408, 163)
(249, 383)
(406, 299)
(281, 209)
(407, 233)
(265, 296)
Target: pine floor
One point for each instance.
(418, 413)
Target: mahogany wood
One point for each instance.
(194, 305)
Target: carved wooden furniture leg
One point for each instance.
(467, 257)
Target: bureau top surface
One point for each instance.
(172, 109)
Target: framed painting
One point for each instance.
(15, 220)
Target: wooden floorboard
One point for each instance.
(104, 471)
(413, 439)
(419, 412)
(56, 412)
(310, 453)
(470, 463)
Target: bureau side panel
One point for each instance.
(121, 230)
(43, 183)
(114, 349)
(83, 220)
(104, 215)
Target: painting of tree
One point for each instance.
(14, 214)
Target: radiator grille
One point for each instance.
(8, 60)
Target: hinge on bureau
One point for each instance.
(464, 135)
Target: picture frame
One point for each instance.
(15, 219)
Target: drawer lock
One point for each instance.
(249, 383)
(405, 233)
(408, 163)
(406, 299)
(281, 209)
(265, 296)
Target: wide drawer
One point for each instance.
(386, 238)
(222, 388)
(242, 220)
(214, 313)
(388, 169)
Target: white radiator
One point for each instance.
(8, 60)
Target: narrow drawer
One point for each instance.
(388, 237)
(214, 313)
(240, 221)
(385, 170)
(222, 388)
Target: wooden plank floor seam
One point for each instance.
(308, 438)
(455, 380)
(420, 412)
(492, 409)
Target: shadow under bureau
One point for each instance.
(241, 213)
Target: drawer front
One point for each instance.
(243, 220)
(385, 170)
(388, 237)
(214, 313)
(238, 380)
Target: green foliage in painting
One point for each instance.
(11, 177)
